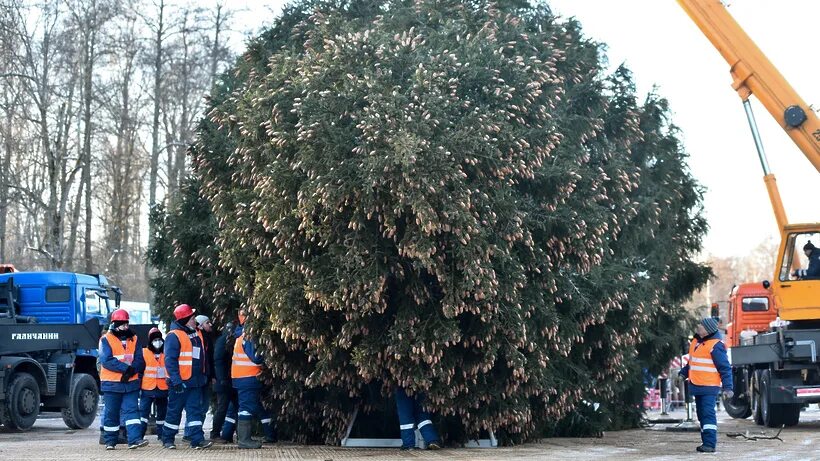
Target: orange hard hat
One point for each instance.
(183, 311)
(119, 315)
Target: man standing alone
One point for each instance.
(708, 368)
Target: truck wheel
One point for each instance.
(738, 407)
(776, 415)
(82, 402)
(23, 402)
(757, 411)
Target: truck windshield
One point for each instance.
(755, 304)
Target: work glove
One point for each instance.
(728, 394)
(127, 374)
(179, 388)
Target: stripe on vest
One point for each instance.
(699, 368)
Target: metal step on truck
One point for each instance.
(50, 325)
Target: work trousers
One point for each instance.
(705, 406)
(250, 407)
(160, 403)
(203, 405)
(411, 415)
(190, 400)
(224, 397)
(117, 405)
(229, 426)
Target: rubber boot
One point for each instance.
(243, 435)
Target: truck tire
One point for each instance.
(22, 402)
(776, 415)
(757, 412)
(82, 402)
(738, 407)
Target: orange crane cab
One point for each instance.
(751, 310)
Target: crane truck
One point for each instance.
(776, 371)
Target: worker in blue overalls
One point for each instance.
(187, 375)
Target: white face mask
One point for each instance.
(157, 343)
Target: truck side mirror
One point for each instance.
(715, 311)
(117, 296)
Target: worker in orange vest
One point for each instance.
(119, 381)
(154, 386)
(246, 367)
(187, 375)
(707, 370)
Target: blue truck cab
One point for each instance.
(63, 298)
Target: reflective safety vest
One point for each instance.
(155, 374)
(702, 370)
(241, 364)
(123, 354)
(186, 353)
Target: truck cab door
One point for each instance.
(94, 305)
(797, 298)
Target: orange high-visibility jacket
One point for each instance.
(702, 370)
(155, 374)
(241, 365)
(186, 353)
(123, 354)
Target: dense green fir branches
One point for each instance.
(447, 196)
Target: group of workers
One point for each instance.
(175, 374)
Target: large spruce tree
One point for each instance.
(452, 197)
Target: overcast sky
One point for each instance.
(663, 48)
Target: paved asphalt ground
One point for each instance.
(49, 439)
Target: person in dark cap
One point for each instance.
(708, 370)
(812, 272)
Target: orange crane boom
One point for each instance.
(753, 74)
